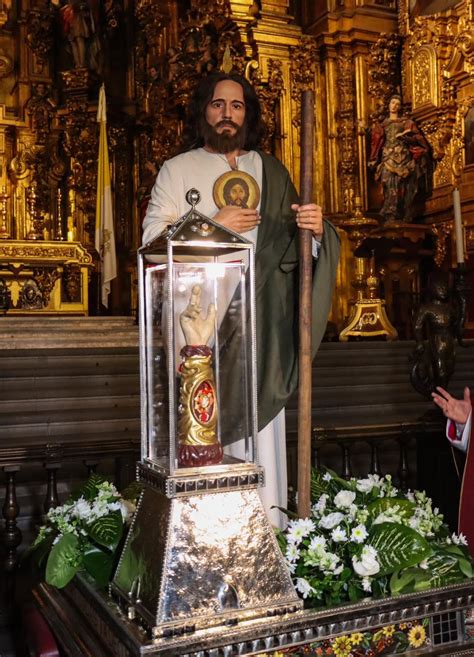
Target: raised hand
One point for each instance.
(197, 329)
(456, 410)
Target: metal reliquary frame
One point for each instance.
(200, 552)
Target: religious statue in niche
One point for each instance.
(197, 412)
(79, 22)
(400, 157)
(438, 323)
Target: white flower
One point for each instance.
(424, 564)
(81, 509)
(327, 476)
(338, 535)
(298, 529)
(366, 584)
(344, 499)
(367, 565)
(292, 552)
(330, 562)
(359, 534)
(364, 485)
(352, 512)
(317, 543)
(331, 520)
(320, 505)
(304, 587)
(459, 540)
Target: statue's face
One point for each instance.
(226, 111)
(394, 105)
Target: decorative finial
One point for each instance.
(193, 197)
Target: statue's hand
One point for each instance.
(240, 220)
(420, 347)
(197, 330)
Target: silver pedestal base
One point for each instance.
(201, 561)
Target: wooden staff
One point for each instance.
(305, 314)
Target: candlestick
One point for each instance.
(458, 231)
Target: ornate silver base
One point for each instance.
(200, 561)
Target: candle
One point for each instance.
(458, 233)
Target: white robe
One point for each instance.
(200, 169)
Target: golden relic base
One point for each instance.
(44, 278)
(369, 320)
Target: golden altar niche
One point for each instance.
(200, 553)
(44, 277)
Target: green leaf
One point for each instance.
(133, 491)
(291, 514)
(107, 531)
(398, 546)
(406, 507)
(401, 581)
(465, 567)
(63, 561)
(99, 565)
(89, 490)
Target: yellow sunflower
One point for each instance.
(388, 630)
(342, 646)
(357, 638)
(417, 636)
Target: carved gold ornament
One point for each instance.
(197, 415)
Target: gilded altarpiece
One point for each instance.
(150, 54)
(438, 73)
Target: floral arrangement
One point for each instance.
(365, 538)
(387, 640)
(84, 533)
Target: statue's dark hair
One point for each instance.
(192, 134)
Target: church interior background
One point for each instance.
(355, 55)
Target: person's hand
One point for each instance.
(310, 217)
(240, 220)
(197, 330)
(456, 410)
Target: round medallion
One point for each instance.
(203, 402)
(236, 188)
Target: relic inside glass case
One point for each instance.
(198, 347)
(200, 552)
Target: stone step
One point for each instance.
(58, 387)
(74, 333)
(73, 362)
(72, 431)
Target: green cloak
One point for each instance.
(276, 295)
(277, 290)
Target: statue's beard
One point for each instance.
(223, 142)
